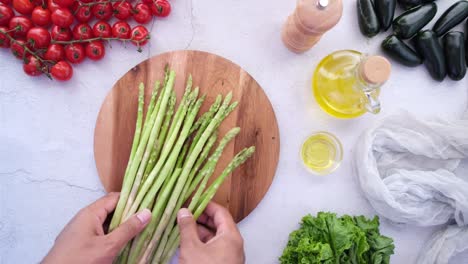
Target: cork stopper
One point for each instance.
(375, 70)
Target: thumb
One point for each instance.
(129, 229)
(187, 228)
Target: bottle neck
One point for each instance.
(369, 90)
(361, 81)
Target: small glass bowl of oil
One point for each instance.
(321, 153)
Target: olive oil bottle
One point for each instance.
(346, 83)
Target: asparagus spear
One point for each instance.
(152, 138)
(162, 136)
(183, 154)
(166, 74)
(138, 126)
(204, 121)
(136, 140)
(151, 105)
(239, 159)
(139, 122)
(188, 90)
(171, 245)
(167, 120)
(123, 257)
(210, 166)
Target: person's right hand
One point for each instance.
(215, 239)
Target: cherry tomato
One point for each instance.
(4, 40)
(24, 7)
(55, 52)
(19, 26)
(139, 35)
(149, 2)
(38, 38)
(6, 13)
(82, 31)
(142, 13)
(121, 29)
(17, 48)
(32, 66)
(64, 3)
(82, 12)
(52, 6)
(61, 33)
(75, 53)
(41, 16)
(102, 11)
(95, 50)
(102, 29)
(161, 8)
(122, 10)
(6, 2)
(62, 17)
(62, 71)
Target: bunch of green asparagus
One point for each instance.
(171, 160)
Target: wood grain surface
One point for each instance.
(115, 124)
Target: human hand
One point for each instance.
(83, 239)
(215, 239)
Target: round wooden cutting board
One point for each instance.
(115, 125)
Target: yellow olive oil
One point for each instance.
(321, 153)
(334, 85)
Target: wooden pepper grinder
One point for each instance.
(310, 20)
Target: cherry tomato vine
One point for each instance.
(50, 36)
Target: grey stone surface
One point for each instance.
(47, 170)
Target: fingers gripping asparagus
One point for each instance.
(238, 160)
(161, 245)
(167, 221)
(143, 239)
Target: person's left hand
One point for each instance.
(83, 239)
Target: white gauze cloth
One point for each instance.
(444, 244)
(407, 169)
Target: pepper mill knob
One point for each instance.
(310, 20)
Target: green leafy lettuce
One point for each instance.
(338, 240)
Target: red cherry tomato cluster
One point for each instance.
(49, 36)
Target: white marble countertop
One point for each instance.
(47, 169)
